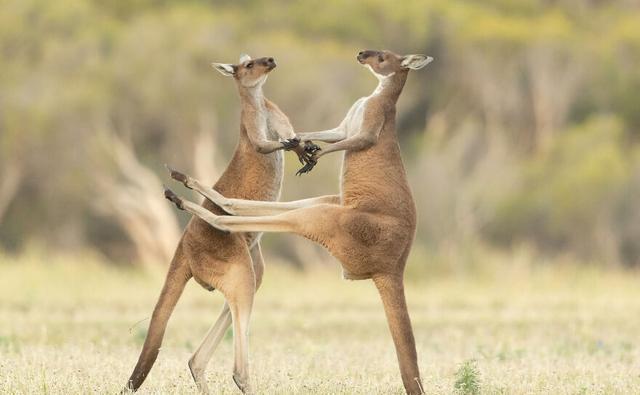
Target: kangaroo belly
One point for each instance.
(249, 175)
(374, 180)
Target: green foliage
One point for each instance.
(567, 193)
(74, 70)
(468, 378)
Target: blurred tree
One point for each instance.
(500, 133)
(566, 199)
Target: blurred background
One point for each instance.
(521, 141)
(522, 137)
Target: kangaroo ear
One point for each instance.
(244, 57)
(226, 69)
(415, 62)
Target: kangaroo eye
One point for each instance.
(249, 65)
(380, 59)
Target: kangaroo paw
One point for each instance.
(290, 144)
(311, 147)
(307, 168)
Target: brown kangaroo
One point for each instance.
(232, 263)
(370, 226)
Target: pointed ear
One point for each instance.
(244, 57)
(415, 62)
(225, 68)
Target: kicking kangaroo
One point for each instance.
(231, 263)
(370, 227)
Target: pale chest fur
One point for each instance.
(262, 122)
(353, 120)
(375, 176)
(355, 116)
(268, 123)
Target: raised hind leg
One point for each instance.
(307, 221)
(247, 207)
(202, 356)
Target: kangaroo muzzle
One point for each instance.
(270, 63)
(363, 55)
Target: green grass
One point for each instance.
(71, 326)
(467, 378)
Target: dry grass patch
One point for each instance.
(69, 327)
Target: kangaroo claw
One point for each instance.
(310, 147)
(290, 143)
(308, 167)
(303, 156)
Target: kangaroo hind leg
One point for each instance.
(177, 277)
(202, 356)
(238, 286)
(391, 289)
(198, 362)
(306, 221)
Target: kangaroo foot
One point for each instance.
(243, 384)
(171, 196)
(178, 176)
(198, 377)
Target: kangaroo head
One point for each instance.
(248, 72)
(386, 63)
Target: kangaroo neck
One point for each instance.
(389, 87)
(252, 97)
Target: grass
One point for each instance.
(71, 326)
(467, 378)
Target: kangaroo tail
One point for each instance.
(177, 277)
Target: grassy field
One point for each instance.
(73, 327)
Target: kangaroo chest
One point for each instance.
(353, 120)
(266, 124)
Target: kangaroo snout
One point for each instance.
(271, 63)
(363, 55)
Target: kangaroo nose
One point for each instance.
(360, 53)
(270, 60)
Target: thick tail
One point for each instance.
(177, 277)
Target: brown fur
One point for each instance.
(370, 227)
(229, 262)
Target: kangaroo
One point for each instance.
(370, 226)
(231, 263)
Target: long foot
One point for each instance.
(178, 176)
(243, 385)
(198, 377)
(171, 196)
